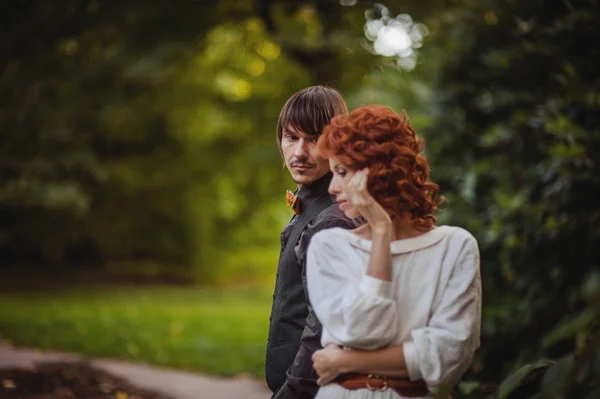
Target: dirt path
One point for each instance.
(174, 383)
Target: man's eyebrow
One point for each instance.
(287, 131)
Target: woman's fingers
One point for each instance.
(359, 180)
(363, 179)
(357, 187)
(326, 378)
(324, 363)
(323, 381)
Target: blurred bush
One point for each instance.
(138, 140)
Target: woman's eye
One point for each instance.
(342, 173)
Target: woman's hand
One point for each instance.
(370, 209)
(327, 362)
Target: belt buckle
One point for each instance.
(385, 383)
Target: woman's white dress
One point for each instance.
(432, 306)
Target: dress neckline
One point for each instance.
(404, 245)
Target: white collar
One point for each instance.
(405, 245)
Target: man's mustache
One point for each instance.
(302, 164)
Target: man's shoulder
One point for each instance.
(330, 217)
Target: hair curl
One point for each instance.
(376, 137)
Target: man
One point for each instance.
(295, 332)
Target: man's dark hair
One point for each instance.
(310, 110)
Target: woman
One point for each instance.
(401, 292)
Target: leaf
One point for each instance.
(468, 387)
(515, 380)
(555, 377)
(591, 286)
(569, 328)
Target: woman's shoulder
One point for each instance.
(334, 238)
(458, 235)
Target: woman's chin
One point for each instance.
(351, 213)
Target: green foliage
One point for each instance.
(139, 139)
(514, 142)
(519, 378)
(214, 331)
(144, 142)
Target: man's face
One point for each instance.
(302, 156)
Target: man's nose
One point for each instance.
(301, 151)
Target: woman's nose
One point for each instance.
(333, 187)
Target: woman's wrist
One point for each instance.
(346, 362)
(389, 361)
(382, 229)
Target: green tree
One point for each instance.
(140, 136)
(514, 146)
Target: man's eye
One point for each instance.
(342, 173)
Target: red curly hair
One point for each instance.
(376, 137)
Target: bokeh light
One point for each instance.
(397, 37)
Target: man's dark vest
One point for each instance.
(289, 311)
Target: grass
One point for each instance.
(216, 331)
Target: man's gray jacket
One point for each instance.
(295, 331)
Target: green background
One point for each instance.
(141, 178)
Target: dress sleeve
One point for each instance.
(356, 310)
(442, 351)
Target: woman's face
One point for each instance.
(338, 186)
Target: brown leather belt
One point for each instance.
(402, 386)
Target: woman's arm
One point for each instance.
(380, 259)
(356, 309)
(380, 224)
(388, 361)
(333, 361)
(442, 351)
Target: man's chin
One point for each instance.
(304, 178)
(308, 177)
(302, 181)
